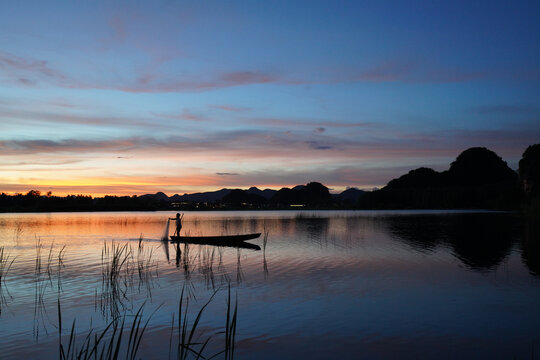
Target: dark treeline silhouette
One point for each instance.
(33, 201)
(477, 179)
(529, 174)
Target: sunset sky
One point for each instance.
(135, 97)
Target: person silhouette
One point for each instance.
(178, 220)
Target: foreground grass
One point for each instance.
(119, 340)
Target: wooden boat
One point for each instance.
(223, 240)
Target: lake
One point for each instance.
(325, 284)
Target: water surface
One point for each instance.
(330, 284)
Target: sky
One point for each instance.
(135, 97)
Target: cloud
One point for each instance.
(451, 75)
(203, 83)
(30, 71)
(27, 82)
(247, 77)
(319, 125)
(16, 64)
(17, 147)
(506, 109)
(254, 144)
(148, 79)
(226, 174)
(185, 115)
(415, 72)
(230, 108)
(317, 146)
(62, 117)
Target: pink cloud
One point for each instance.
(30, 71)
(151, 84)
(247, 77)
(11, 62)
(72, 118)
(258, 145)
(230, 108)
(184, 115)
(451, 75)
(147, 80)
(278, 122)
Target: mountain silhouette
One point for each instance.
(313, 194)
(348, 197)
(238, 197)
(266, 193)
(479, 166)
(529, 170)
(478, 178)
(421, 177)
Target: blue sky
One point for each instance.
(132, 98)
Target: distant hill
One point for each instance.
(313, 194)
(238, 198)
(211, 196)
(477, 179)
(349, 196)
(266, 193)
(156, 196)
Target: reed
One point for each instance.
(18, 230)
(50, 262)
(230, 326)
(186, 341)
(114, 263)
(120, 339)
(39, 247)
(107, 344)
(61, 265)
(120, 264)
(265, 241)
(239, 271)
(141, 237)
(6, 261)
(206, 266)
(147, 268)
(113, 260)
(40, 313)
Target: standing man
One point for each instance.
(178, 220)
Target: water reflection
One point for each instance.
(480, 241)
(203, 259)
(355, 279)
(530, 245)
